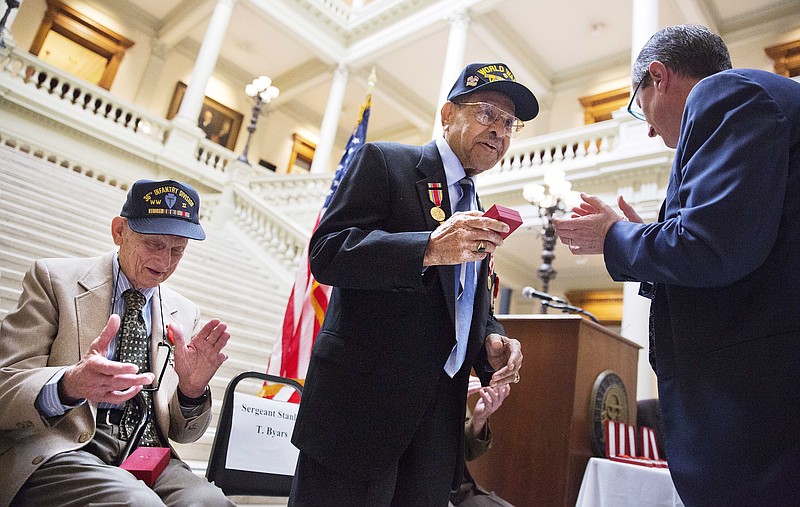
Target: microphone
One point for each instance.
(530, 293)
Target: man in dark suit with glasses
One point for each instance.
(720, 265)
(407, 250)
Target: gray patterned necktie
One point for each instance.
(133, 348)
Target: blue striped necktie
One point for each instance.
(465, 295)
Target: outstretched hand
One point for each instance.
(585, 231)
(199, 359)
(491, 398)
(98, 379)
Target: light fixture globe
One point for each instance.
(553, 198)
(262, 92)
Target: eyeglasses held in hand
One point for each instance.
(165, 349)
(488, 114)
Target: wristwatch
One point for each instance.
(190, 402)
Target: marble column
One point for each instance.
(635, 308)
(644, 24)
(330, 122)
(204, 64)
(635, 326)
(453, 63)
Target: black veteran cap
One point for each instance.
(163, 207)
(497, 77)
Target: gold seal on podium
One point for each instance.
(609, 401)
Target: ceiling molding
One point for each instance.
(224, 69)
(182, 19)
(777, 19)
(378, 14)
(291, 84)
(502, 36)
(698, 11)
(322, 41)
(418, 111)
(405, 30)
(304, 77)
(129, 14)
(298, 110)
(613, 67)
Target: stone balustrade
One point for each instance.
(27, 75)
(586, 142)
(271, 228)
(28, 84)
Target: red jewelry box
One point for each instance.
(508, 216)
(147, 463)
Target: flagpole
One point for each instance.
(371, 80)
(308, 301)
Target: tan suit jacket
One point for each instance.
(65, 304)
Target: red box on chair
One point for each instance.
(147, 463)
(508, 216)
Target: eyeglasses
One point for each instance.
(163, 348)
(633, 107)
(167, 351)
(488, 114)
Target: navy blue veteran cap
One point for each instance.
(163, 207)
(496, 77)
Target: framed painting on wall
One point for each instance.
(77, 44)
(220, 123)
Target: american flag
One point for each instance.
(308, 301)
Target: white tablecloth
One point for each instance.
(609, 483)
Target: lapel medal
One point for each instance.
(435, 195)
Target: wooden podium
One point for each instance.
(542, 432)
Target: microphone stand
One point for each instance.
(568, 308)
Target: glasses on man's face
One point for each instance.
(488, 114)
(633, 106)
(167, 351)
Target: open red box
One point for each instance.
(508, 216)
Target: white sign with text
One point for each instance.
(261, 434)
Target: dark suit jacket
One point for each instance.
(389, 327)
(726, 313)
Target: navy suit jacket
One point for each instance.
(389, 327)
(725, 318)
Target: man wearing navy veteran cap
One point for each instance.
(406, 247)
(67, 374)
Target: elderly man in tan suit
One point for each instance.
(66, 373)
